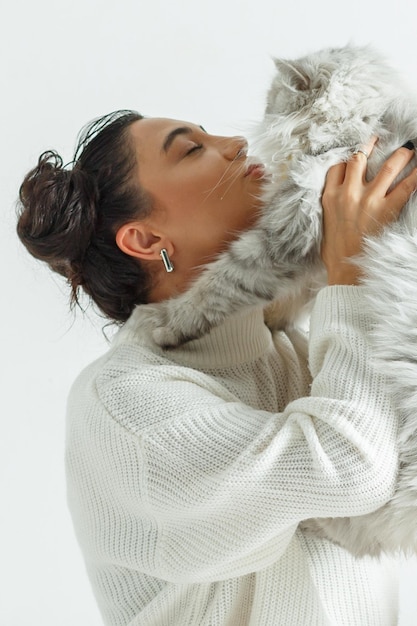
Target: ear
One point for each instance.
(138, 239)
(293, 74)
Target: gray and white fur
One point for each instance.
(319, 108)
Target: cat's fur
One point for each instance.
(319, 108)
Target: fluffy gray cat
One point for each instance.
(319, 108)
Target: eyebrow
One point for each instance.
(181, 130)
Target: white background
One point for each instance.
(206, 61)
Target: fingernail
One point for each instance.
(409, 145)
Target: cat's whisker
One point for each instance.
(222, 180)
(219, 182)
(232, 179)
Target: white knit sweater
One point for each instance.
(189, 471)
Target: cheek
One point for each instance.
(199, 193)
(211, 180)
(190, 190)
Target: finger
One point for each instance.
(392, 167)
(336, 175)
(357, 164)
(366, 149)
(398, 197)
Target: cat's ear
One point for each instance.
(293, 74)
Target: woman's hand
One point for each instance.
(354, 208)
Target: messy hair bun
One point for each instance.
(60, 214)
(69, 216)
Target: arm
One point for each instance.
(212, 488)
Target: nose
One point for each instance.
(234, 148)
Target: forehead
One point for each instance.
(150, 133)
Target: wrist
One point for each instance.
(344, 274)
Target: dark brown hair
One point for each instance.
(69, 216)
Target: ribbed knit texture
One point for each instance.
(189, 471)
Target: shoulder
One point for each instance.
(138, 388)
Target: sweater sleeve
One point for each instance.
(220, 487)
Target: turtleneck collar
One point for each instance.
(241, 338)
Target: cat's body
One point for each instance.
(319, 109)
(391, 269)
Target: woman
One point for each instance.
(190, 470)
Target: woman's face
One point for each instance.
(202, 189)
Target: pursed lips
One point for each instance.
(256, 170)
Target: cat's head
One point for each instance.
(331, 96)
(333, 72)
(294, 84)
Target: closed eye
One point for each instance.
(198, 146)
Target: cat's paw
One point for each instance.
(180, 320)
(167, 337)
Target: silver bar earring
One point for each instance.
(166, 260)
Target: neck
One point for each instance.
(168, 285)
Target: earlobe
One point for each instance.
(138, 239)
